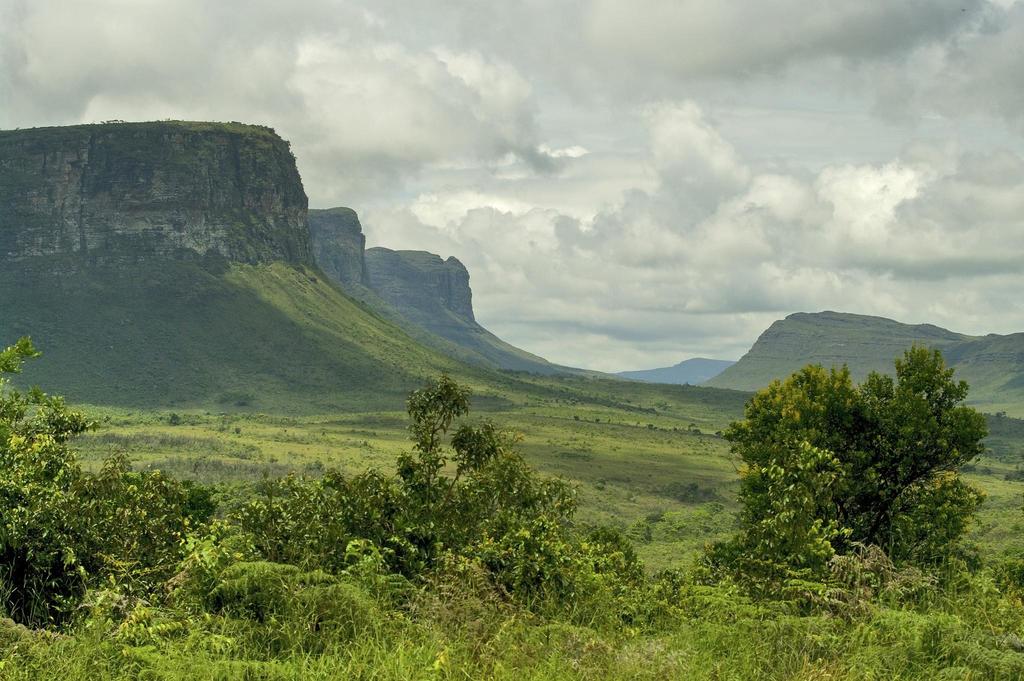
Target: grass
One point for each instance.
(714, 634)
(652, 466)
(328, 391)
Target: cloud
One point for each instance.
(363, 111)
(735, 38)
(716, 249)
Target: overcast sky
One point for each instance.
(630, 182)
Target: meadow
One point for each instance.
(652, 462)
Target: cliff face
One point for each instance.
(420, 280)
(338, 245)
(426, 295)
(95, 193)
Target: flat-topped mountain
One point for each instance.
(429, 296)
(173, 263)
(693, 371)
(421, 283)
(993, 364)
(170, 263)
(138, 190)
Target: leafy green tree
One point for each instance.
(828, 465)
(40, 566)
(63, 530)
(448, 492)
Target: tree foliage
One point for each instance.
(829, 465)
(448, 492)
(63, 530)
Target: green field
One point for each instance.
(651, 465)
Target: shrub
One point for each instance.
(63, 530)
(828, 466)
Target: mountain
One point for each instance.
(123, 192)
(428, 296)
(992, 364)
(339, 245)
(692, 371)
(171, 263)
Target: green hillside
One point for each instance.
(273, 338)
(177, 333)
(993, 364)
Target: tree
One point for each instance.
(40, 569)
(63, 530)
(828, 465)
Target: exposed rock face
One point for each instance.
(420, 280)
(114, 191)
(338, 245)
(426, 295)
(418, 284)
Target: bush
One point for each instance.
(829, 466)
(63, 530)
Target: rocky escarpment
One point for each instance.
(338, 245)
(93, 193)
(421, 285)
(426, 295)
(421, 282)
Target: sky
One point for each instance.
(630, 182)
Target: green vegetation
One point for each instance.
(191, 334)
(454, 559)
(830, 468)
(273, 338)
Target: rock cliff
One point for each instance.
(175, 189)
(421, 282)
(426, 295)
(338, 245)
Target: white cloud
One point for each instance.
(657, 277)
(734, 37)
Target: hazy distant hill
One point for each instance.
(693, 371)
(993, 364)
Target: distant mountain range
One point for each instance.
(992, 364)
(691, 371)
